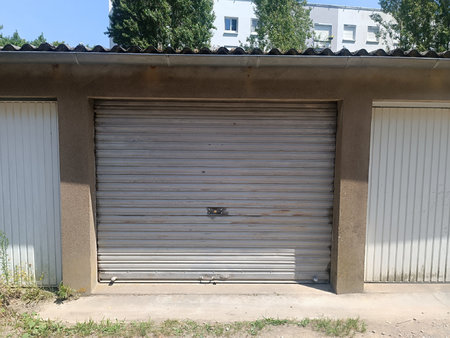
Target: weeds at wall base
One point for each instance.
(4, 266)
(20, 283)
(65, 292)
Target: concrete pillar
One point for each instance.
(77, 163)
(349, 221)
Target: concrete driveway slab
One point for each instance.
(225, 303)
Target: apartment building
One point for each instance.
(335, 27)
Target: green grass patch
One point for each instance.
(20, 283)
(30, 293)
(65, 292)
(31, 325)
(338, 327)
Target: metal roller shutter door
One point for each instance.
(161, 165)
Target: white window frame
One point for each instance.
(231, 18)
(330, 31)
(253, 27)
(318, 42)
(353, 28)
(376, 31)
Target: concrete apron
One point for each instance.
(226, 303)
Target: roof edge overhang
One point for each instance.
(199, 60)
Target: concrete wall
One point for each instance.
(325, 16)
(241, 9)
(361, 19)
(75, 87)
(340, 16)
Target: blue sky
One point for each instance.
(79, 21)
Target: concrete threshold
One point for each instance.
(252, 289)
(405, 288)
(237, 302)
(208, 289)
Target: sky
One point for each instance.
(80, 21)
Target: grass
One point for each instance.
(30, 293)
(30, 325)
(338, 327)
(27, 294)
(19, 283)
(65, 292)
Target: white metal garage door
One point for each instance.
(29, 188)
(409, 194)
(191, 191)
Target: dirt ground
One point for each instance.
(411, 328)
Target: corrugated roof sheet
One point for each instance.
(45, 47)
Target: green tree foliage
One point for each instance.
(282, 24)
(420, 24)
(17, 40)
(160, 23)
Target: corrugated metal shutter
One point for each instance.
(409, 195)
(160, 165)
(29, 188)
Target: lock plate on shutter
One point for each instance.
(216, 211)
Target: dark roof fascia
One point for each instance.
(218, 60)
(150, 50)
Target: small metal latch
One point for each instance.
(213, 278)
(216, 211)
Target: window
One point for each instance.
(253, 25)
(322, 35)
(349, 33)
(231, 25)
(322, 32)
(372, 34)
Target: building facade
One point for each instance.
(197, 167)
(335, 27)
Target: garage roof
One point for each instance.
(222, 57)
(46, 47)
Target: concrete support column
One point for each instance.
(351, 183)
(77, 163)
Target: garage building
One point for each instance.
(225, 166)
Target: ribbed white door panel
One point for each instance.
(409, 196)
(29, 188)
(160, 165)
